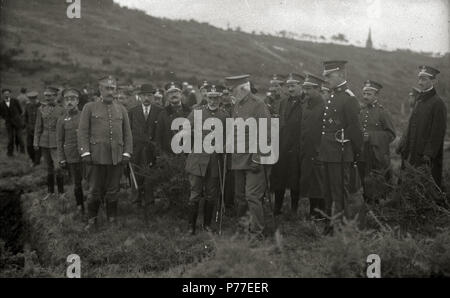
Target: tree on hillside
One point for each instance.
(339, 37)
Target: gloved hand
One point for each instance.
(125, 159)
(87, 159)
(63, 164)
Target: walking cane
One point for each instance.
(133, 177)
(342, 140)
(222, 193)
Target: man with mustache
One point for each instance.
(143, 122)
(106, 144)
(286, 172)
(67, 143)
(45, 139)
(173, 110)
(203, 167)
(424, 142)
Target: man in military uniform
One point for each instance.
(273, 101)
(341, 140)
(311, 179)
(67, 143)
(378, 133)
(286, 172)
(250, 178)
(203, 93)
(158, 97)
(45, 139)
(143, 122)
(325, 91)
(173, 110)
(30, 120)
(424, 143)
(203, 168)
(106, 144)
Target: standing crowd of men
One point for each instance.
(328, 142)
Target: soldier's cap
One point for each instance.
(32, 94)
(172, 86)
(325, 86)
(71, 92)
(158, 92)
(204, 84)
(372, 85)
(334, 65)
(5, 90)
(276, 79)
(214, 90)
(146, 88)
(295, 78)
(51, 89)
(414, 91)
(425, 70)
(312, 80)
(108, 81)
(190, 87)
(233, 81)
(185, 84)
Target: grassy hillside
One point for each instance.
(44, 46)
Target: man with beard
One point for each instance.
(250, 175)
(311, 179)
(286, 172)
(273, 101)
(378, 133)
(143, 122)
(341, 140)
(202, 167)
(30, 120)
(45, 139)
(424, 143)
(106, 144)
(67, 143)
(11, 111)
(174, 109)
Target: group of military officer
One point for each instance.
(328, 140)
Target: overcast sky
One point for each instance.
(419, 25)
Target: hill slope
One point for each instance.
(131, 44)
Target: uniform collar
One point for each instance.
(373, 104)
(341, 87)
(427, 94)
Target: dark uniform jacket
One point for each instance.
(163, 132)
(12, 114)
(197, 163)
(45, 126)
(273, 104)
(376, 121)
(248, 107)
(144, 134)
(67, 137)
(311, 180)
(426, 132)
(30, 116)
(286, 172)
(341, 112)
(104, 131)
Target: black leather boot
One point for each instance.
(193, 214)
(279, 197)
(207, 216)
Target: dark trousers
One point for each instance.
(76, 172)
(35, 155)
(337, 186)
(229, 189)
(14, 135)
(279, 197)
(50, 158)
(145, 188)
(104, 184)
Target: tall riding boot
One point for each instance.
(111, 211)
(193, 214)
(79, 199)
(295, 196)
(207, 215)
(51, 183)
(279, 197)
(60, 183)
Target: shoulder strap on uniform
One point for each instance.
(349, 92)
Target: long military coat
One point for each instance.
(426, 131)
(286, 172)
(104, 131)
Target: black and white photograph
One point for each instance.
(223, 146)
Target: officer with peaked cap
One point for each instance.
(424, 143)
(341, 139)
(378, 133)
(106, 144)
(250, 174)
(174, 109)
(273, 100)
(286, 172)
(311, 169)
(45, 139)
(203, 96)
(203, 167)
(67, 143)
(31, 109)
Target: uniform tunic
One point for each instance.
(45, 127)
(67, 137)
